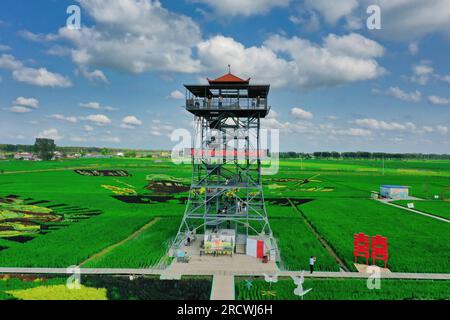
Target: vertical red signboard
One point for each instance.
(260, 249)
(380, 249)
(361, 246)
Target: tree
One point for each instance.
(130, 154)
(44, 148)
(105, 152)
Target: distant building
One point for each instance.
(120, 154)
(394, 192)
(2, 156)
(57, 155)
(23, 156)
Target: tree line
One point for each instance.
(362, 155)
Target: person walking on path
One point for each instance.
(312, 261)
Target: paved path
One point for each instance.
(222, 288)
(392, 275)
(415, 211)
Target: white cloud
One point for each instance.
(354, 45)
(50, 134)
(354, 132)
(130, 122)
(396, 92)
(296, 62)
(4, 47)
(20, 109)
(97, 106)
(422, 73)
(37, 37)
(244, 7)
(34, 76)
(412, 19)
(134, 36)
(27, 102)
(155, 133)
(98, 119)
(9, 62)
(428, 129)
(402, 20)
(413, 48)
(301, 114)
(88, 128)
(41, 77)
(176, 95)
(333, 11)
(60, 117)
(111, 139)
(445, 78)
(442, 129)
(95, 75)
(383, 125)
(438, 100)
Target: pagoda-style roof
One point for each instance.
(229, 78)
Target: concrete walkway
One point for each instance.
(415, 211)
(222, 288)
(256, 272)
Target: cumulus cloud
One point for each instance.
(297, 62)
(4, 47)
(301, 114)
(20, 109)
(422, 73)
(442, 129)
(375, 124)
(134, 36)
(402, 20)
(176, 95)
(438, 100)
(60, 117)
(35, 76)
(37, 37)
(92, 76)
(130, 122)
(27, 102)
(244, 7)
(97, 106)
(396, 92)
(51, 133)
(99, 119)
(333, 11)
(354, 132)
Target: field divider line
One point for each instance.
(113, 246)
(320, 238)
(51, 170)
(415, 211)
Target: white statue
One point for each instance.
(298, 281)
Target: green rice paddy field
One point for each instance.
(106, 221)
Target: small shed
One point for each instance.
(394, 192)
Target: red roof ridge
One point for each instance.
(229, 78)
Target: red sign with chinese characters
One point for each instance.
(361, 246)
(380, 249)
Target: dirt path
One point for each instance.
(320, 238)
(112, 247)
(50, 170)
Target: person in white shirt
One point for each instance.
(312, 261)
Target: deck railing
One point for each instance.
(226, 104)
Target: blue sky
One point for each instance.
(336, 85)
